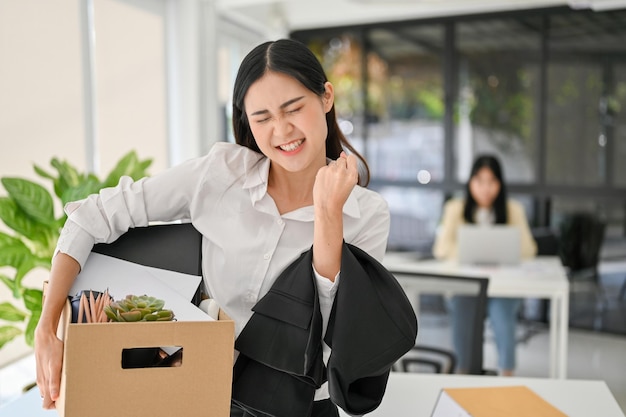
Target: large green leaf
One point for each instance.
(32, 198)
(7, 240)
(33, 299)
(139, 169)
(9, 282)
(14, 256)
(14, 217)
(123, 167)
(43, 173)
(89, 186)
(13, 252)
(69, 176)
(129, 165)
(9, 312)
(27, 266)
(29, 334)
(8, 333)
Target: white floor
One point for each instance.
(591, 356)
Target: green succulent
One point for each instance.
(138, 308)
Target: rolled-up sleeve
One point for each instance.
(75, 242)
(105, 216)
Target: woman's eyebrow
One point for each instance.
(282, 106)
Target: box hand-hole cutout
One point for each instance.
(152, 357)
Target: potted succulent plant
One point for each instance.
(28, 210)
(138, 308)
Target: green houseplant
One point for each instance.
(29, 211)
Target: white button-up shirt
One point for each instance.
(246, 242)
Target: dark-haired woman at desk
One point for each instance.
(485, 203)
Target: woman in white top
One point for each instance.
(286, 186)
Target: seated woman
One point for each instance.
(485, 202)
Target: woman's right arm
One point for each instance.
(444, 246)
(48, 347)
(99, 218)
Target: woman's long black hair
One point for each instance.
(499, 205)
(292, 58)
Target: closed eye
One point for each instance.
(294, 110)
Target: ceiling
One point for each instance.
(283, 16)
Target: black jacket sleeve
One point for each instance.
(372, 325)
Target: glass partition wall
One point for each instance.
(544, 90)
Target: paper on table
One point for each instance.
(121, 278)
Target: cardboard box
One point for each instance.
(94, 384)
(509, 401)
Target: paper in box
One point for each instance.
(94, 384)
(509, 401)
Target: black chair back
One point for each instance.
(471, 292)
(174, 247)
(581, 236)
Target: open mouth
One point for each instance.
(291, 146)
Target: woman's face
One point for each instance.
(484, 187)
(288, 121)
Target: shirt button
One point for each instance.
(280, 222)
(267, 256)
(250, 297)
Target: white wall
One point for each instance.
(42, 107)
(40, 80)
(130, 87)
(41, 98)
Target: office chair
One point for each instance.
(428, 359)
(426, 355)
(174, 247)
(581, 237)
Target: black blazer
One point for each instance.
(372, 324)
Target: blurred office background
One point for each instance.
(422, 87)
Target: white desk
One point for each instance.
(542, 277)
(412, 394)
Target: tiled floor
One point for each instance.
(592, 355)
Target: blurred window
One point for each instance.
(616, 111)
(544, 90)
(498, 96)
(405, 103)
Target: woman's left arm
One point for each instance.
(517, 217)
(333, 184)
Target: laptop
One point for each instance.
(489, 245)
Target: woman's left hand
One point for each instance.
(334, 183)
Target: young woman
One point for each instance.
(285, 187)
(485, 202)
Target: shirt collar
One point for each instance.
(256, 181)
